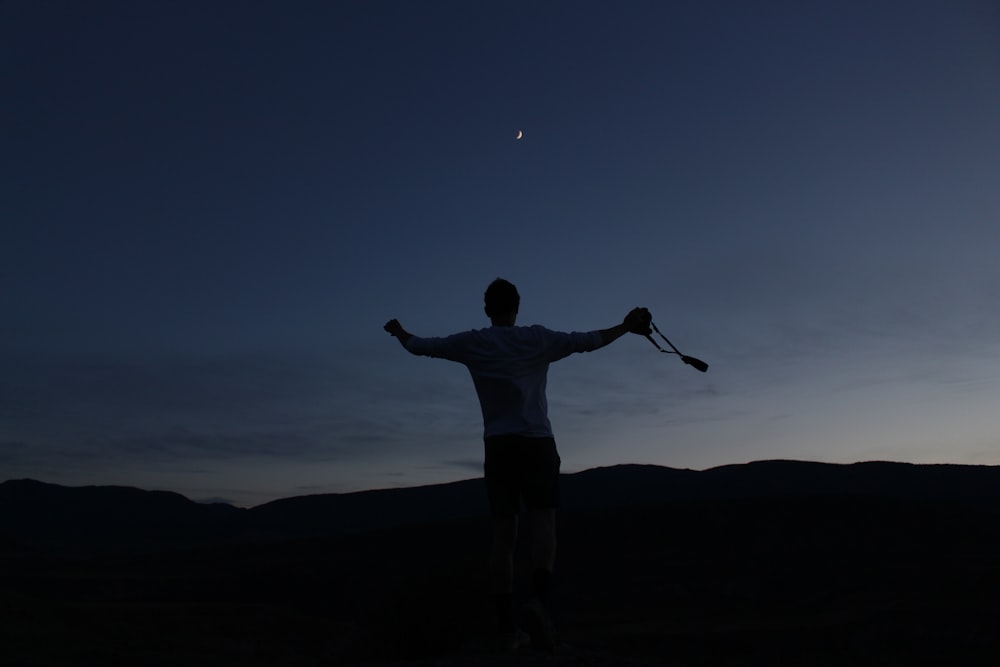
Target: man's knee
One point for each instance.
(543, 521)
(504, 532)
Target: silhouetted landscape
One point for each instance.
(769, 563)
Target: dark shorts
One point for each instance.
(520, 469)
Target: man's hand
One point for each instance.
(396, 329)
(637, 321)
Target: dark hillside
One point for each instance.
(44, 517)
(842, 565)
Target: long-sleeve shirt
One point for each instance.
(509, 367)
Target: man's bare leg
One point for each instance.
(543, 538)
(543, 551)
(502, 569)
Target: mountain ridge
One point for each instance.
(42, 516)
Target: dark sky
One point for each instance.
(209, 209)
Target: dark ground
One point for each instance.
(809, 580)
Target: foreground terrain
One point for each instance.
(766, 575)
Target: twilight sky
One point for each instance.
(209, 209)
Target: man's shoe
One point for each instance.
(539, 626)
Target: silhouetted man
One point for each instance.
(509, 365)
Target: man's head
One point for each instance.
(502, 302)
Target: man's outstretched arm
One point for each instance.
(637, 322)
(396, 329)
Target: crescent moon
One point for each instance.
(520, 134)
